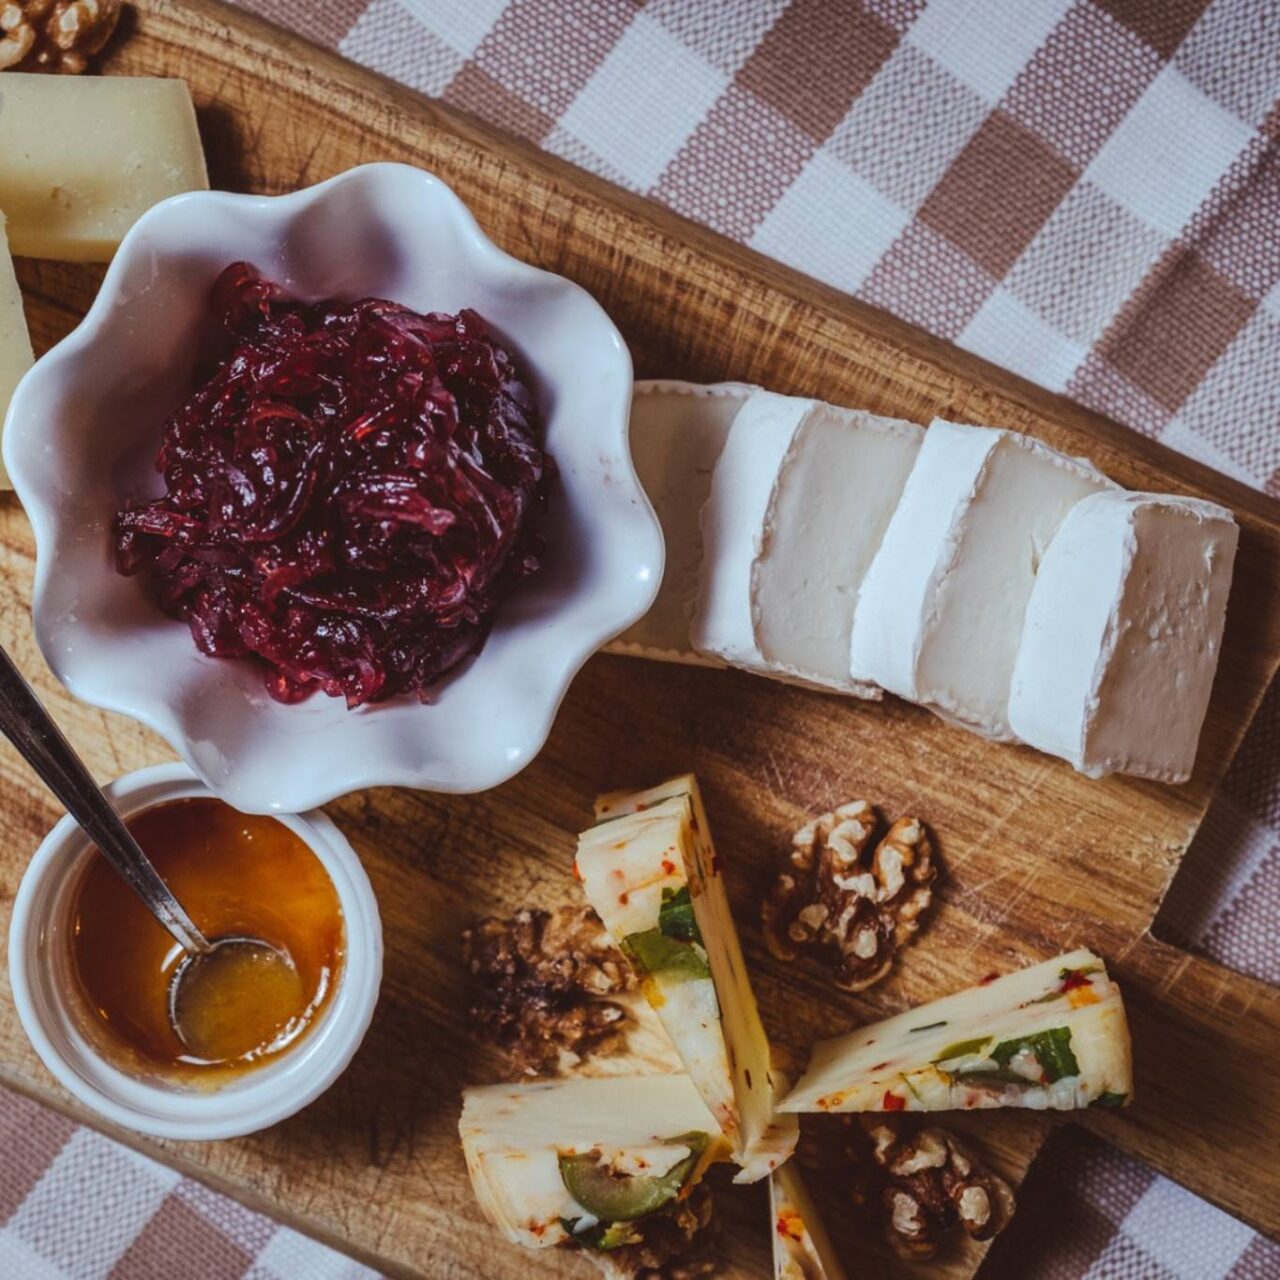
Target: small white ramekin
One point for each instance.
(47, 1000)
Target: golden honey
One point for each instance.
(237, 876)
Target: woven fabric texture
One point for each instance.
(1086, 192)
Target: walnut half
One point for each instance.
(933, 1182)
(54, 35)
(545, 974)
(836, 893)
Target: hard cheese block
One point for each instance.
(802, 1250)
(562, 1162)
(15, 342)
(651, 872)
(799, 502)
(1053, 1036)
(82, 157)
(940, 614)
(1122, 634)
(677, 432)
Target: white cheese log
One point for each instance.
(513, 1137)
(940, 613)
(652, 844)
(82, 157)
(1123, 632)
(676, 433)
(802, 1250)
(800, 500)
(1053, 1036)
(15, 342)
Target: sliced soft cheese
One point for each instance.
(940, 613)
(513, 1137)
(1122, 634)
(801, 497)
(677, 431)
(650, 870)
(802, 1250)
(15, 342)
(1053, 1036)
(82, 157)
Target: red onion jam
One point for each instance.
(349, 494)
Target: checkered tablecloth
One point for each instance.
(1084, 191)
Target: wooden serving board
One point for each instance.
(1037, 859)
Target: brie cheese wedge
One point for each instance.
(649, 869)
(15, 343)
(1053, 1036)
(1122, 635)
(527, 1145)
(677, 432)
(802, 1250)
(800, 500)
(940, 613)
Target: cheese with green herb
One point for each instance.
(574, 1162)
(650, 870)
(802, 1250)
(1053, 1036)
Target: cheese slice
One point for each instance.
(514, 1136)
(1122, 634)
(650, 870)
(677, 432)
(800, 500)
(82, 157)
(940, 613)
(15, 343)
(1053, 1036)
(802, 1250)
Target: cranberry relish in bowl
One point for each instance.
(349, 493)
(88, 421)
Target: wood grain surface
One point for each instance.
(1037, 859)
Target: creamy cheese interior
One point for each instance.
(15, 342)
(1123, 634)
(1051, 1036)
(82, 157)
(832, 502)
(802, 1250)
(513, 1137)
(677, 432)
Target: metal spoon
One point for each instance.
(25, 722)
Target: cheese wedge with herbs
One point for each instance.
(650, 870)
(574, 1162)
(1050, 1037)
(802, 1250)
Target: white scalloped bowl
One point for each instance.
(81, 438)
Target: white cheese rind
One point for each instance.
(83, 157)
(734, 520)
(513, 1135)
(15, 343)
(677, 432)
(650, 841)
(940, 613)
(802, 1250)
(1123, 632)
(908, 1062)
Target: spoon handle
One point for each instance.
(40, 742)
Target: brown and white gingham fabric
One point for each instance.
(1084, 191)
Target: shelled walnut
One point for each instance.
(545, 976)
(54, 35)
(928, 1183)
(836, 893)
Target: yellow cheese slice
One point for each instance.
(82, 157)
(15, 342)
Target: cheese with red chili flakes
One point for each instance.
(802, 1250)
(650, 870)
(1051, 1037)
